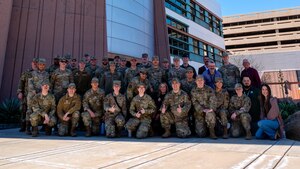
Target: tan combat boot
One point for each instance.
(225, 133)
(248, 135)
(166, 134)
(88, 131)
(73, 131)
(212, 134)
(35, 131)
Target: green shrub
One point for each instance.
(10, 111)
(287, 107)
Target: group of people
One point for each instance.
(147, 99)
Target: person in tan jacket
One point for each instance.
(270, 122)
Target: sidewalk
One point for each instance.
(18, 150)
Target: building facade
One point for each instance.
(167, 28)
(271, 40)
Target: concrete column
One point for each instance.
(5, 14)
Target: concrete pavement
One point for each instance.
(18, 150)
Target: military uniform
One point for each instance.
(60, 80)
(204, 98)
(93, 100)
(132, 87)
(231, 76)
(141, 125)
(71, 105)
(188, 85)
(114, 121)
(176, 73)
(130, 74)
(171, 116)
(240, 106)
(42, 105)
(222, 100)
(156, 76)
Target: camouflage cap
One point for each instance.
(123, 59)
(176, 80)
(218, 79)
(93, 58)
(82, 60)
(57, 57)
(165, 60)
(63, 59)
(42, 61)
(35, 59)
(72, 85)
(155, 58)
(238, 85)
(45, 82)
(189, 69)
(74, 59)
(95, 80)
(199, 77)
(111, 63)
(86, 55)
(143, 70)
(117, 82)
(68, 56)
(105, 58)
(176, 58)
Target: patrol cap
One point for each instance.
(63, 59)
(189, 69)
(238, 85)
(95, 80)
(35, 59)
(143, 70)
(93, 58)
(74, 59)
(199, 77)
(218, 79)
(68, 56)
(176, 80)
(72, 85)
(165, 60)
(117, 57)
(82, 60)
(123, 59)
(42, 61)
(155, 58)
(86, 55)
(57, 57)
(117, 82)
(176, 58)
(111, 63)
(145, 55)
(45, 82)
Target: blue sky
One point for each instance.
(233, 7)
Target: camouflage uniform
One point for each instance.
(132, 87)
(240, 106)
(93, 100)
(176, 73)
(222, 106)
(117, 118)
(82, 79)
(107, 79)
(94, 70)
(23, 88)
(71, 105)
(171, 116)
(34, 87)
(204, 98)
(141, 125)
(188, 85)
(231, 76)
(60, 80)
(130, 74)
(156, 76)
(43, 105)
